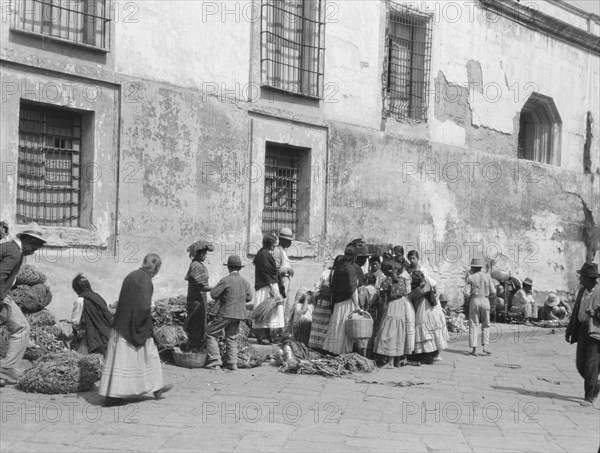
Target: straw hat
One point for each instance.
(33, 230)
(286, 233)
(552, 300)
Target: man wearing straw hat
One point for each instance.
(478, 288)
(11, 258)
(584, 329)
(233, 292)
(554, 309)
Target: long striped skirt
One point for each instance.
(130, 371)
(336, 341)
(320, 322)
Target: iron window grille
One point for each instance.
(293, 46)
(281, 189)
(48, 188)
(407, 64)
(80, 21)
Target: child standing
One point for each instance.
(232, 292)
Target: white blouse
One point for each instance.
(77, 311)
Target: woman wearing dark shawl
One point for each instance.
(266, 284)
(132, 365)
(344, 294)
(90, 317)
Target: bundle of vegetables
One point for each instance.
(169, 336)
(41, 318)
(4, 337)
(457, 324)
(28, 276)
(45, 342)
(32, 299)
(65, 372)
(263, 313)
(169, 311)
(339, 366)
(63, 330)
(247, 357)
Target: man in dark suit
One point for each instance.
(11, 258)
(588, 348)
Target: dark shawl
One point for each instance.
(572, 331)
(97, 321)
(133, 319)
(265, 269)
(343, 282)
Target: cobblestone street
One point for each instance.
(525, 397)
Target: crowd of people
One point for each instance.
(403, 301)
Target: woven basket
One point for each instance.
(359, 328)
(189, 359)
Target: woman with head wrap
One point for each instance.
(266, 284)
(431, 334)
(345, 300)
(396, 335)
(197, 278)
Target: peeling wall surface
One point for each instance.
(182, 126)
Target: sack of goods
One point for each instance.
(359, 325)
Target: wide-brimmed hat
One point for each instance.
(589, 270)
(444, 298)
(476, 262)
(552, 300)
(286, 233)
(33, 230)
(234, 261)
(528, 282)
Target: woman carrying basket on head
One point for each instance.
(344, 294)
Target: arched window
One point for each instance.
(539, 130)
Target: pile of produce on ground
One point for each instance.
(296, 358)
(169, 336)
(4, 337)
(457, 324)
(33, 295)
(169, 311)
(64, 372)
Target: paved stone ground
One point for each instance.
(525, 397)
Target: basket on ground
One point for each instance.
(359, 325)
(189, 359)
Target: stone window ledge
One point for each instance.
(56, 39)
(62, 237)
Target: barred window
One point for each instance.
(80, 21)
(293, 45)
(281, 189)
(407, 64)
(49, 166)
(540, 130)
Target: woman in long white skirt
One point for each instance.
(344, 282)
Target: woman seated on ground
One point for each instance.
(396, 335)
(301, 317)
(554, 309)
(90, 318)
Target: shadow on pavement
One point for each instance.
(536, 393)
